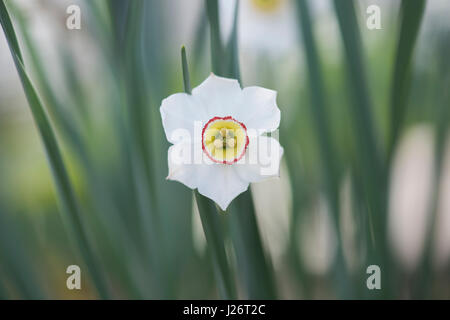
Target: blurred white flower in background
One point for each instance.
(198, 235)
(46, 26)
(266, 25)
(10, 89)
(273, 204)
(183, 29)
(348, 225)
(317, 238)
(436, 12)
(411, 187)
(326, 29)
(442, 227)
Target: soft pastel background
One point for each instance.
(350, 194)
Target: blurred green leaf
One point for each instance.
(111, 221)
(213, 225)
(69, 206)
(16, 263)
(426, 275)
(232, 47)
(217, 50)
(370, 160)
(257, 272)
(10, 34)
(411, 17)
(322, 125)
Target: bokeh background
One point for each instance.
(365, 177)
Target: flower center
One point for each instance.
(224, 140)
(267, 5)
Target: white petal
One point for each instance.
(259, 109)
(220, 183)
(262, 159)
(180, 111)
(180, 168)
(220, 96)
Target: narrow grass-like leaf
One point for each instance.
(217, 50)
(323, 132)
(3, 294)
(318, 103)
(423, 286)
(65, 191)
(253, 264)
(68, 203)
(8, 28)
(212, 223)
(257, 272)
(54, 105)
(110, 218)
(138, 119)
(369, 155)
(77, 95)
(232, 47)
(411, 18)
(15, 263)
(186, 77)
(411, 14)
(362, 106)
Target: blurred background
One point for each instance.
(365, 176)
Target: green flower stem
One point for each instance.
(212, 223)
(257, 272)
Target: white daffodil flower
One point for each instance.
(218, 136)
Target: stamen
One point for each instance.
(223, 132)
(218, 143)
(231, 143)
(224, 139)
